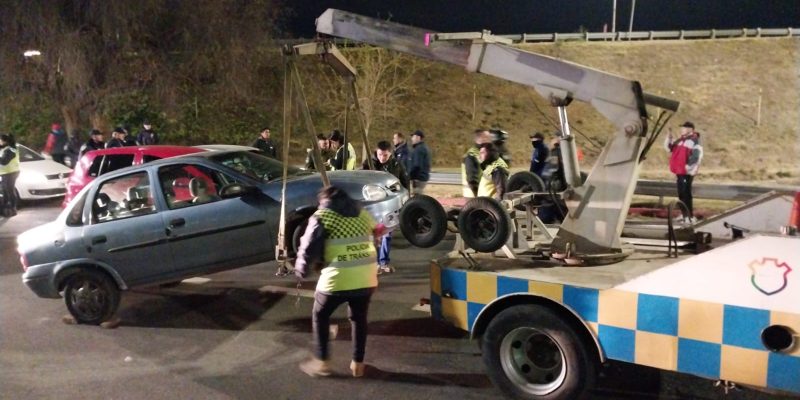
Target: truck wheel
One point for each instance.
(484, 224)
(91, 297)
(525, 181)
(423, 221)
(531, 353)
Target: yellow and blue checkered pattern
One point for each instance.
(711, 340)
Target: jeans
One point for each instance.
(383, 252)
(326, 304)
(685, 193)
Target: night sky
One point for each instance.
(546, 16)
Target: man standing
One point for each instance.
(400, 148)
(339, 239)
(684, 162)
(265, 144)
(419, 163)
(95, 142)
(383, 160)
(9, 171)
(471, 164)
(324, 150)
(117, 138)
(539, 155)
(56, 142)
(127, 140)
(345, 156)
(495, 172)
(147, 135)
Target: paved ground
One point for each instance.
(241, 334)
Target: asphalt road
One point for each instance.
(240, 335)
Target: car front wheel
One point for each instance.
(91, 297)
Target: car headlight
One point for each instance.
(373, 193)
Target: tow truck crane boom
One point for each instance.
(597, 208)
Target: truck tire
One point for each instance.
(91, 297)
(423, 221)
(532, 353)
(525, 181)
(484, 224)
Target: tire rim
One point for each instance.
(421, 222)
(533, 361)
(89, 300)
(482, 224)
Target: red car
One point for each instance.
(99, 162)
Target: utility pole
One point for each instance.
(614, 18)
(630, 24)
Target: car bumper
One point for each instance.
(39, 279)
(50, 189)
(387, 212)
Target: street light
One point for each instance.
(32, 53)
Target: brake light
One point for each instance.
(24, 261)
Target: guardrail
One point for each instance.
(646, 187)
(655, 35)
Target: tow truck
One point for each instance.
(550, 304)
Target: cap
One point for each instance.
(537, 136)
(119, 130)
(419, 133)
(146, 122)
(96, 132)
(687, 124)
(336, 136)
(55, 127)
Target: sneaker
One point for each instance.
(315, 368)
(357, 368)
(385, 269)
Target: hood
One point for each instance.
(46, 167)
(353, 182)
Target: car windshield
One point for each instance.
(26, 154)
(255, 165)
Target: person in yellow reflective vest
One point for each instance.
(343, 159)
(471, 165)
(9, 171)
(339, 239)
(495, 172)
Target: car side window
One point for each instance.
(110, 162)
(186, 185)
(147, 158)
(75, 216)
(123, 197)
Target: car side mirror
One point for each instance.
(236, 189)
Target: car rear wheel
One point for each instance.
(91, 297)
(423, 221)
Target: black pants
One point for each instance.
(326, 304)
(59, 158)
(685, 192)
(7, 186)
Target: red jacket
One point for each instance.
(686, 155)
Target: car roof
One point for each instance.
(200, 155)
(156, 150)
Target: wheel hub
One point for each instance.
(533, 361)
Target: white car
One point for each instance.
(39, 177)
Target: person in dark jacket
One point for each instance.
(9, 171)
(117, 138)
(339, 241)
(147, 136)
(419, 163)
(400, 148)
(539, 155)
(344, 153)
(265, 144)
(95, 142)
(73, 148)
(383, 160)
(324, 150)
(56, 144)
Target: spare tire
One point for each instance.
(527, 182)
(484, 224)
(423, 221)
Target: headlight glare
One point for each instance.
(373, 193)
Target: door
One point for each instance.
(126, 231)
(206, 232)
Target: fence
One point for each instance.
(655, 35)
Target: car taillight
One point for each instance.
(24, 261)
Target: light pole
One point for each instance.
(614, 18)
(630, 24)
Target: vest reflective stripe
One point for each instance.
(486, 187)
(13, 165)
(473, 152)
(350, 255)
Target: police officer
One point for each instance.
(339, 239)
(345, 156)
(494, 173)
(471, 164)
(9, 171)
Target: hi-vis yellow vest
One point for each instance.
(13, 165)
(475, 153)
(486, 186)
(350, 256)
(351, 158)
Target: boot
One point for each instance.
(357, 368)
(315, 368)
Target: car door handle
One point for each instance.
(175, 223)
(99, 239)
